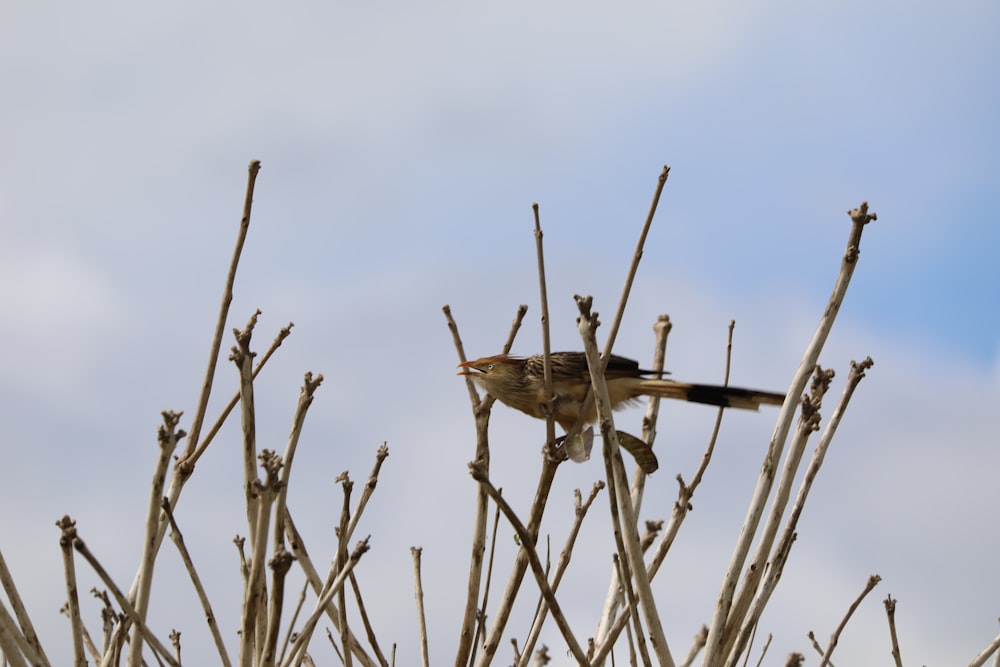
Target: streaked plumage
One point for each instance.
(519, 383)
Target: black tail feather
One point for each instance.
(732, 397)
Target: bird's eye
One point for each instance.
(489, 367)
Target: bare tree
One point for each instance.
(274, 632)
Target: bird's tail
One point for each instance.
(725, 397)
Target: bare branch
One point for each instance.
(661, 329)
(457, 340)
(623, 300)
(23, 620)
(984, 655)
(107, 625)
(70, 535)
(521, 562)
(686, 491)
(563, 562)
(481, 410)
(767, 582)
(638, 638)
(528, 549)
(279, 564)
(366, 493)
(213, 626)
(345, 516)
(633, 267)
(722, 631)
(167, 437)
(220, 325)
(302, 641)
(298, 547)
(835, 637)
(550, 423)
(419, 594)
(185, 465)
(763, 650)
(624, 518)
(306, 393)
(481, 618)
(242, 356)
(254, 614)
(696, 645)
(291, 622)
(13, 644)
(815, 644)
(369, 632)
(890, 612)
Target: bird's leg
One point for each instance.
(554, 451)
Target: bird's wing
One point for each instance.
(573, 365)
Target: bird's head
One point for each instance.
(494, 368)
(501, 375)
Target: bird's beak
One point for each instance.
(469, 368)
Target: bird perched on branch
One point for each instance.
(519, 382)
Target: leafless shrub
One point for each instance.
(271, 634)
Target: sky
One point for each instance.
(402, 147)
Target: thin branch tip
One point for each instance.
(861, 216)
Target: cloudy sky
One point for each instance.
(402, 146)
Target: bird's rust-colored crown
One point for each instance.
(485, 364)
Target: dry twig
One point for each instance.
(481, 616)
(890, 612)
(419, 595)
(763, 650)
(528, 549)
(304, 561)
(561, 565)
(167, 436)
(984, 655)
(726, 621)
(300, 643)
(220, 325)
(25, 627)
(623, 515)
(69, 535)
(835, 637)
(697, 644)
(481, 410)
(213, 626)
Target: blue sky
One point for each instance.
(402, 148)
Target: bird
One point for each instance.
(519, 382)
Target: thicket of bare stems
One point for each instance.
(627, 621)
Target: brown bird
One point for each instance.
(520, 383)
